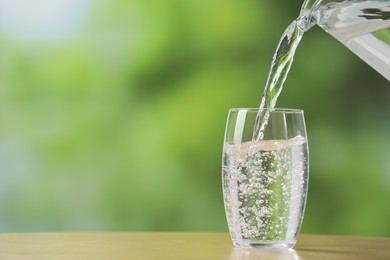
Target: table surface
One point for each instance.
(133, 245)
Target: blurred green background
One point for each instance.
(113, 114)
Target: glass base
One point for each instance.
(264, 244)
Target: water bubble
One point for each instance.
(259, 202)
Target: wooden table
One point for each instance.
(181, 246)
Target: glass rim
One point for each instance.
(277, 110)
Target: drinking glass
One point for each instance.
(265, 181)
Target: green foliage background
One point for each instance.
(118, 124)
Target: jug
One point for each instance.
(362, 26)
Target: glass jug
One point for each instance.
(362, 26)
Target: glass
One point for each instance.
(265, 182)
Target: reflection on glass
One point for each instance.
(253, 253)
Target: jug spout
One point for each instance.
(310, 5)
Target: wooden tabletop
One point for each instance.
(181, 246)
